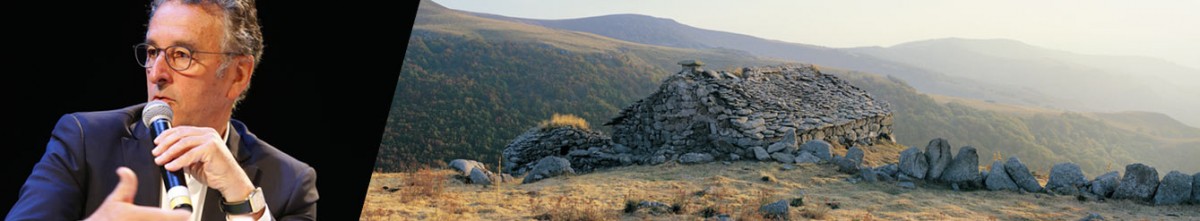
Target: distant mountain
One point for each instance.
(666, 32)
(1094, 83)
(1150, 123)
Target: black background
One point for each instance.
(320, 94)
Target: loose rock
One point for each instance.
(549, 167)
(1175, 188)
(1105, 185)
(913, 163)
(998, 179)
(478, 176)
(806, 157)
(1139, 183)
(760, 153)
(776, 210)
(938, 155)
(855, 154)
(818, 148)
(964, 168)
(1066, 178)
(1020, 175)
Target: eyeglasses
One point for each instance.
(178, 58)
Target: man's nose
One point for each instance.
(159, 72)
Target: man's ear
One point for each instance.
(243, 69)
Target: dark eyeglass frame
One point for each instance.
(146, 58)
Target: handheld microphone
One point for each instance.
(157, 117)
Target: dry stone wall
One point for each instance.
(730, 117)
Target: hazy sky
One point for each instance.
(1167, 29)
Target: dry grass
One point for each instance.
(567, 208)
(815, 212)
(736, 190)
(564, 120)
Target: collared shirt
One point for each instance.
(197, 191)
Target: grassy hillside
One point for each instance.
(469, 85)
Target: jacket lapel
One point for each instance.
(242, 151)
(137, 146)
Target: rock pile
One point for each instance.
(762, 115)
(1140, 183)
(787, 114)
(476, 173)
(586, 150)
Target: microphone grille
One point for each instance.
(155, 110)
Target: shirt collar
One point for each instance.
(228, 128)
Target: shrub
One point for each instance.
(564, 120)
(423, 183)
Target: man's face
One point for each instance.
(196, 94)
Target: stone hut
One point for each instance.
(727, 116)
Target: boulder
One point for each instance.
(1104, 185)
(760, 153)
(547, 167)
(1020, 175)
(818, 148)
(1175, 188)
(783, 157)
(656, 159)
(998, 179)
(907, 184)
(913, 163)
(855, 154)
(787, 144)
(883, 176)
(478, 176)
(776, 210)
(1139, 183)
(902, 177)
(937, 153)
(845, 165)
(694, 158)
(806, 157)
(869, 175)
(1066, 179)
(1196, 188)
(890, 169)
(504, 178)
(465, 166)
(964, 168)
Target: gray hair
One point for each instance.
(242, 32)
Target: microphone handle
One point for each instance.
(177, 192)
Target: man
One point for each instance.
(199, 57)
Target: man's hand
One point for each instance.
(119, 204)
(202, 151)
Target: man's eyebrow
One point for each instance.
(184, 44)
(175, 43)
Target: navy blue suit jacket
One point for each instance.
(78, 170)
